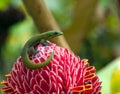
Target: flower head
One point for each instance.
(65, 74)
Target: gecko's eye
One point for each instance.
(58, 33)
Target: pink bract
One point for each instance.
(65, 74)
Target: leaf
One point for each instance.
(4, 4)
(106, 73)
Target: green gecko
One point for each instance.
(38, 38)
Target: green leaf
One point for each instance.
(4, 4)
(106, 73)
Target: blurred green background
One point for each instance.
(91, 27)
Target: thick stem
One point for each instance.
(83, 22)
(44, 19)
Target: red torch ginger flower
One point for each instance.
(65, 74)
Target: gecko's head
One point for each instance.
(55, 33)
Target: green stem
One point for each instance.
(38, 38)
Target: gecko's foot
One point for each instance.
(44, 43)
(32, 51)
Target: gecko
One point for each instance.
(38, 38)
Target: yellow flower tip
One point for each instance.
(86, 61)
(5, 89)
(90, 76)
(90, 68)
(78, 89)
(8, 75)
(88, 87)
(3, 82)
